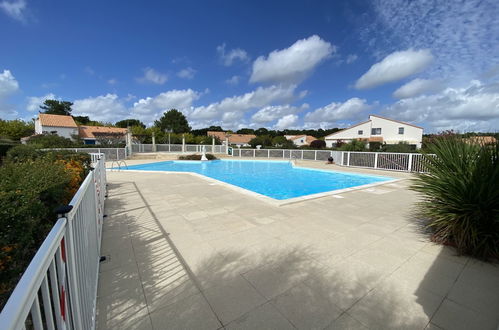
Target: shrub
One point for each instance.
(196, 157)
(460, 196)
(29, 192)
(354, 145)
(400, 147)
(22, 153)
(318, 144)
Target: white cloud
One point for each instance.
(396, 66)
(107, 108)
(150, 108)
(416, 87)
(241, 104)
(287, 121)
(474, 107)
(34, 102)
(112, 81)
(153, 76)
(351, 58)
(293, 64)
(15, 9)
(233, 55)
(463, 35)
(234, 80)
(352, 109)
(8, 84)
(187, 73)
(273, 112)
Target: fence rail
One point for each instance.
(406, 162)
(141, 148)
(322, 155)
(58, 290)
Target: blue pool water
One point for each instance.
(275, 179)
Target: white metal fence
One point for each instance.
(406, 162)
(59, 288)
(216, 149)
(322, 155)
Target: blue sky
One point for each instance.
(275, 64)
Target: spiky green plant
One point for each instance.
(460, 195)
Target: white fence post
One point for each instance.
(315, 156)
(302, 154)
(254, 153)
(409, 166)
(375, 160)
(348, 159)
(268, 153)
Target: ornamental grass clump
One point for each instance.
(460, 195)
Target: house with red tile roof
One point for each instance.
(65, 126)
(241, 140)
(379, 129)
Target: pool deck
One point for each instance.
(188, 253)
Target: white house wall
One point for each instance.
(390, 129)
(66, 132)
(350, 134)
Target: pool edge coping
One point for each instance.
(270, 200)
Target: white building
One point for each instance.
(300, 140)
(379, 129)
(64, 126)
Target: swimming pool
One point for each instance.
(276, 179)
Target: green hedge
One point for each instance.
(32, 184)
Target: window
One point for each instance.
(375, 131)
(360, 132)
(401, 130)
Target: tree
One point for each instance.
(15, 129)
(173, 120)
(129, 123)
(354, 145)
(55, 107)
(246, 131)
(262, 140)
(318, 144)
(262, 131)
(81, 120)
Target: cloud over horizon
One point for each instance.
(292, 64)
(395, 66)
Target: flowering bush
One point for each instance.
(32, 185)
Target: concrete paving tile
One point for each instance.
(234, 298)
(451, 315)
(307, 308)
(265, 317)
(477, 297)
(346, 322)
(192, 312)
(390, 307)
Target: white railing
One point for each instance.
(304, 154)
(64, 270)
(406, 162)
(216, 149)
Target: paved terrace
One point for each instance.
(185, 253)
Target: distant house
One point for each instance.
(481, 140)
(240, 140)
(92, 134)
(300, 140)
(64, 126)
(379, 129)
